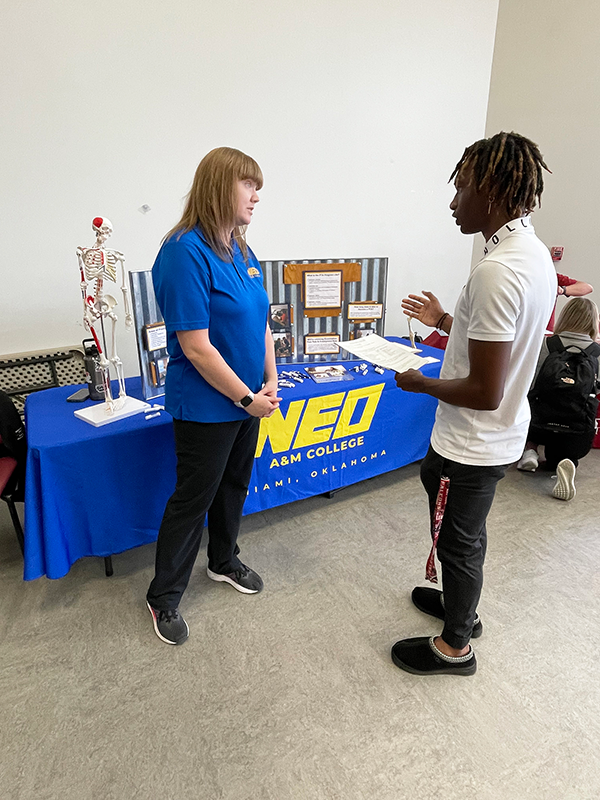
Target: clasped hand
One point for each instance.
(265, 402)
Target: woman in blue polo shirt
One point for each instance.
(221, 379)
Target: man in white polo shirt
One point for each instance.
(483, 415)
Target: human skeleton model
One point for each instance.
(97, 264)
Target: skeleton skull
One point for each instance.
(102, 227)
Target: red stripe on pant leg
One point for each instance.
(436, 525)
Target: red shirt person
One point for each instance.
(576, 289)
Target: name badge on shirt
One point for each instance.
(253, 272)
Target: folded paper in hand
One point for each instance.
(391, 355)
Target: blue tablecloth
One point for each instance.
(100, 491)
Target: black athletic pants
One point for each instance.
(463, 537)
(562, 445)
(214, 465)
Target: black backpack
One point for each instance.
(563, 397)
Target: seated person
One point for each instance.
(564, 420)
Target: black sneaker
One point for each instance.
(431, 601)
(169, 625)
(244, 579)
(421, 657)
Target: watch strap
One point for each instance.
(245, 401)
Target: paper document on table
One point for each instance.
(391, 355)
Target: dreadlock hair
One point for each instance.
(508, 167)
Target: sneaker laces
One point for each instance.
(242, 572)
(171, 615)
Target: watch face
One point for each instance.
(245, 401)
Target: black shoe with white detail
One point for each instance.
(244, 579)
(169, 625)
(420, 656)
(431, 601)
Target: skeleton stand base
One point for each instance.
(96, 415)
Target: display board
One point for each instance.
(316, 303)
(150, 334)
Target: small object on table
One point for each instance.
(411, 334)
(79, 396)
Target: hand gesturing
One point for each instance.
(427, 309)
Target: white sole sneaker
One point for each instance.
(183, 633)
(565, 480)
(529, 461)
(215, 576)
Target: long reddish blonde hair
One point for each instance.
(212, 201)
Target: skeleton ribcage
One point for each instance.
(100, 264)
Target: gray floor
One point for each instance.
(291, 694)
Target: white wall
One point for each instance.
(356, 112)
(545, 85)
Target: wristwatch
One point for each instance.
(245, 401)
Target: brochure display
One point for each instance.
(150, 334)
(329, 374)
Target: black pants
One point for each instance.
(562, 445)
(463, 537)
(214, 465)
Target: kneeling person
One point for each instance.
(563, 396)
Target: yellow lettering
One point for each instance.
(372, 394)
(278, 483)
(294, 458)
(279, 429)
(320, 412)
(274, 463)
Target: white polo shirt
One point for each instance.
(508, 297)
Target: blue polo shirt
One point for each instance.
(197, 290)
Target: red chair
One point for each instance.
(8, 482)
(596, 442)
(436, 339)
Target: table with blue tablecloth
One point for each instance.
(99, 491)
